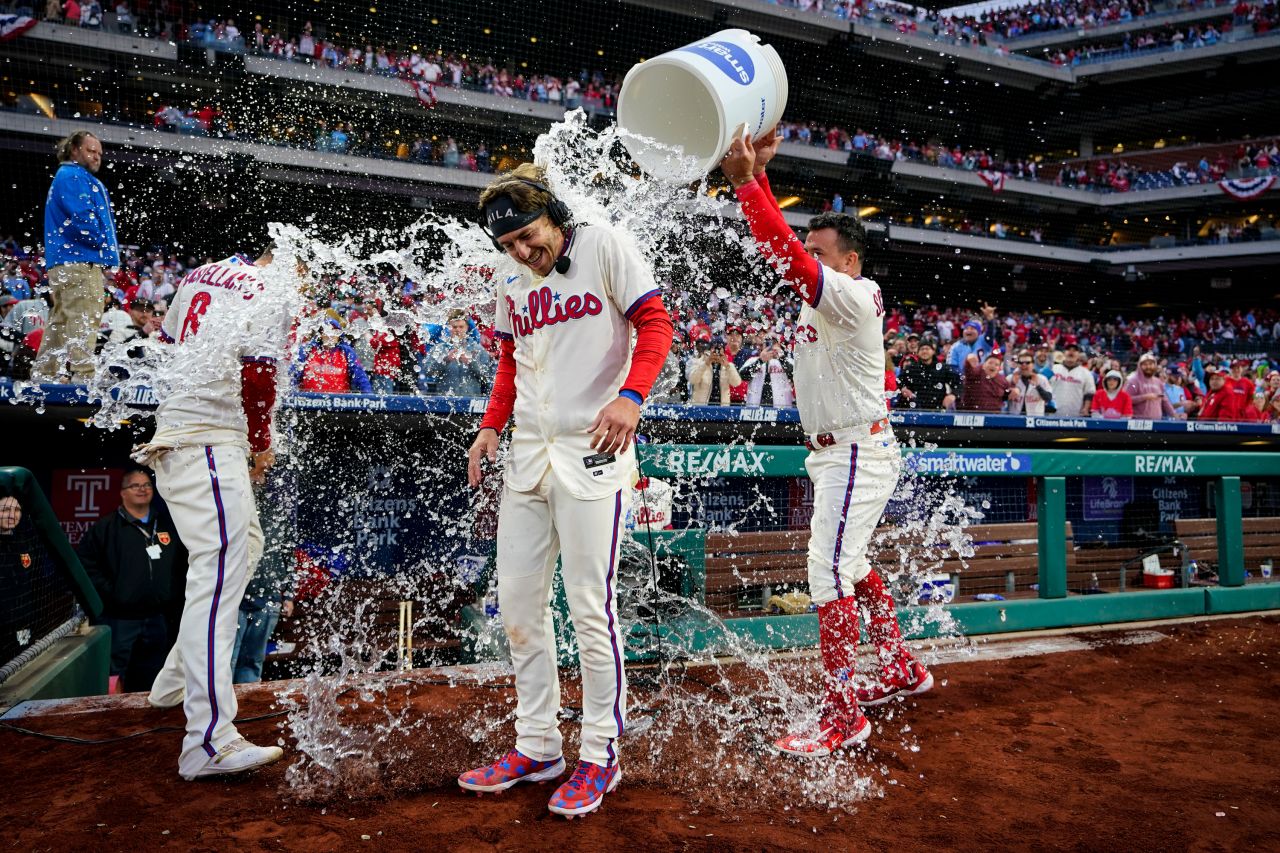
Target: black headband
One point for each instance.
(501, 216)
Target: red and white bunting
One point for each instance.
(424, 92)
(12, 26)
(1247, 188)
(995, 180)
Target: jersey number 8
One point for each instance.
(191, 323)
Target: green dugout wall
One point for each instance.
(1053, 608)
(74, 665)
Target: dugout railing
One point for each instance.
(1213, 543)
(45, 596)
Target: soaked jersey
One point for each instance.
(839, 354)
(573, 343)
(217, 321)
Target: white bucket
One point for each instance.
(691, 100)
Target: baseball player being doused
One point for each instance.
(212, 439)
(854, 459)
(566, 310)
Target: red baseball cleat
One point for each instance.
(512, 769)
(585, 790)
(829, 736)
(908, 680)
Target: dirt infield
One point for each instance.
(1168, 745)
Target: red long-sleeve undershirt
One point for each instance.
(258, 397)
(653, 341)
(778, 242)
(502, 399)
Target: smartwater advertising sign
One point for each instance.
(940, 462)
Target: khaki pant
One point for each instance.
(71, 334)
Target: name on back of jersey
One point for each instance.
(226, 277)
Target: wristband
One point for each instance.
(633, 396)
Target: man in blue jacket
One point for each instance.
(976, 338)
(458, 363)
(79, 243)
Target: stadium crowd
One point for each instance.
(174, 20)
(999, 25)
(736, 350)
(1262, 18)
(1101, 174)
(352, 350)
(597, 93)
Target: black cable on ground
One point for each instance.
(99, 741)
(656, 626)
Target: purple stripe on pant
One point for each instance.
(844, 518)
(613, 634)
(217, 596)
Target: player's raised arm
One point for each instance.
(744, 167)
(836, 243)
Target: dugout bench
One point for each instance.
(744, 570)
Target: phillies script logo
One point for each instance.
(545, 308)
(650, 516)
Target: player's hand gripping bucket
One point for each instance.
(691, 100)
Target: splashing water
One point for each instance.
(378, 514)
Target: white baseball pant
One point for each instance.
(852, 484)
(211, 501)
(533, 529)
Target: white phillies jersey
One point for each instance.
(839, 354)
(572, 351)
(651, 506)
(218, 320)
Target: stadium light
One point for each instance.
(788, 201)
(46, 106)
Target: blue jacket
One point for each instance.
(456, 378)
(960, 350)
(78, 225)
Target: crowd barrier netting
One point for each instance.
(44, 592)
